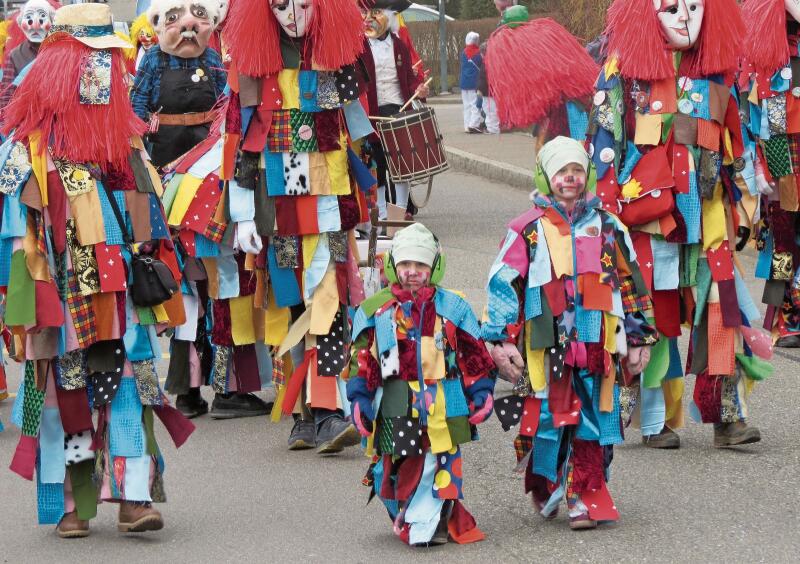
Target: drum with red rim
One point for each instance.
(413, 146)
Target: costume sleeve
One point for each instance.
(143, 85)
(473, 360)
(504, 309)
(365, 373)
(6, 86)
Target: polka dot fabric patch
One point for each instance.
(407, 436)
(331, 349)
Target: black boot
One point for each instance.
(191, 405)
(232, 406)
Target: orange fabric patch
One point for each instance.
(596, 295)
(721, 342)
(307, 214)
(473, 535)
(105, 311)
(664, 91)
(708, 134)
(792, 114)
(323, 388)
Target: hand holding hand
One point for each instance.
(638, 359)
(247, 238)
(509, 361)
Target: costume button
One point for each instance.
(697, 97)
(599, 97)
(591, 150)
(786, 73)
(307, 95)
(685, 83)
(738, 164)
(200, 72)
(195, 78)
(685, 106)
(607, 155)
(657, 105)
(796, 91)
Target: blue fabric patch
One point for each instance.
(241, 202)
(392, 505)
(126, 436)
(533, 302)
(691, 210)
(652, 410)
(778, 83)
(247, 116)
(666, 264)
(503, 304)
(361, 172)
(632, 158)
(228, 271)
(454, 399)
(328, 217)
(358, 124)
(755, 120)
(52, 461)
(384, 331)
(49, 501)
(588, 323)
(675, 369)
(610, 431)
(454, 308)
(423, 510)
(137, 478)
(746, 305)
(15, 215)
(110, 223)
(284, 283)
(308, 81)
(764, 263)
(578, 121)
(159, 227)
(361, 322)
(16, 411)
(276, 182)
(264, 365)
(6, 250)
(205, 247)
(602, 140)
(546, 446)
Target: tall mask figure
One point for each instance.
(667, 142)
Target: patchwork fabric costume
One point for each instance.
(418, 367)
(264, 209)
(771, 82)
(667, 143)
(74, 154)
(569, 289)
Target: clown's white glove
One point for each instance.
(763, 186)
(508, 361)
(247, 238)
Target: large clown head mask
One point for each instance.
(293, 15)
(184, 27)
(681, 21)
(377, 22)
(35, 18)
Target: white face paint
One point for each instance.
(292, 15)
(681, 21)
(793, 7)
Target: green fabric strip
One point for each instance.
(84, 491)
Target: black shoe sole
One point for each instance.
(300, 444)
(236, 413)
(348, 437)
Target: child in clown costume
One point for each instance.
(264, 211)
(420, 380)
(667, 142)
(567, 290)
(79, 197)
(772, 110)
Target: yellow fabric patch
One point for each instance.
(611, 321)
(288, 82)
(310, 243)
(673, 400)
(318, 174)
(39, 163)
(432, 359)
(632, 189)
(438, 432)
(88, 214)
(242, 320)
(714, 220)
(612, 67)
(535, 359)
(560, 248)
(324, 304)
(442, 479)
(337, 170)
(648, 129)
(183, 198)
(161, 314)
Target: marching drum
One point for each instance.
(413, 147)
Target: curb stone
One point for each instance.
(470, 163)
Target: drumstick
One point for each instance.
(381, 118)
(414, 97)
(415, 65)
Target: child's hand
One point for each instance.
(508, 361)
(482, 414)
(638, 359)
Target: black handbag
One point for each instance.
(152, 282)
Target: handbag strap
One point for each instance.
(118, 214)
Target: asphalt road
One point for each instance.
(236, 493)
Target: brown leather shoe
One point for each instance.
(70, 527)
(138, 518)
(666, 439)
(735, 434)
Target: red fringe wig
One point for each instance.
(766, 45)
(48, 100)
(535, 68)
(636, 39)
(252, 35)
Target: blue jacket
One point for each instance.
(147, 84)
(469, 71)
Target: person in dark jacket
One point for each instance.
(391, 83)
(471, 63)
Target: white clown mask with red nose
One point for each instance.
(184, 27)
(35, 19)
(681, 21)
(793, 8)
(293, 15)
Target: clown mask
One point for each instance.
(681, 21)
(376, 23)
(793, 8)
(184, 27)
(292, 15)
(146, 39)
(35, 19)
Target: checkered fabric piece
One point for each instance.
(631, 302)
(279, 139)
(522, 446)
(80, 308)
(215, 231)
(794, 150)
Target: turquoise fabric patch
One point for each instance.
(588, 322)
(15, 215)
(546, 445)
(6, 250)
(52, 461)
(454, 399)
(503, 304)
(533, 302)
(691, 209)
(16, 411)
(308, 81)
(49, 501)
(205, 247)
(764, 263)
(276, 183)
(110, 223)
(454, 308)
(126, 435)
(385, 333)
(578, 121)
(284, 283)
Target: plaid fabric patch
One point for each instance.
(522, 446)
(794, 149)
(41, 235)
(80, 308)
(279, 139)
(631, 302)
(215, 231)
(278, 376)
